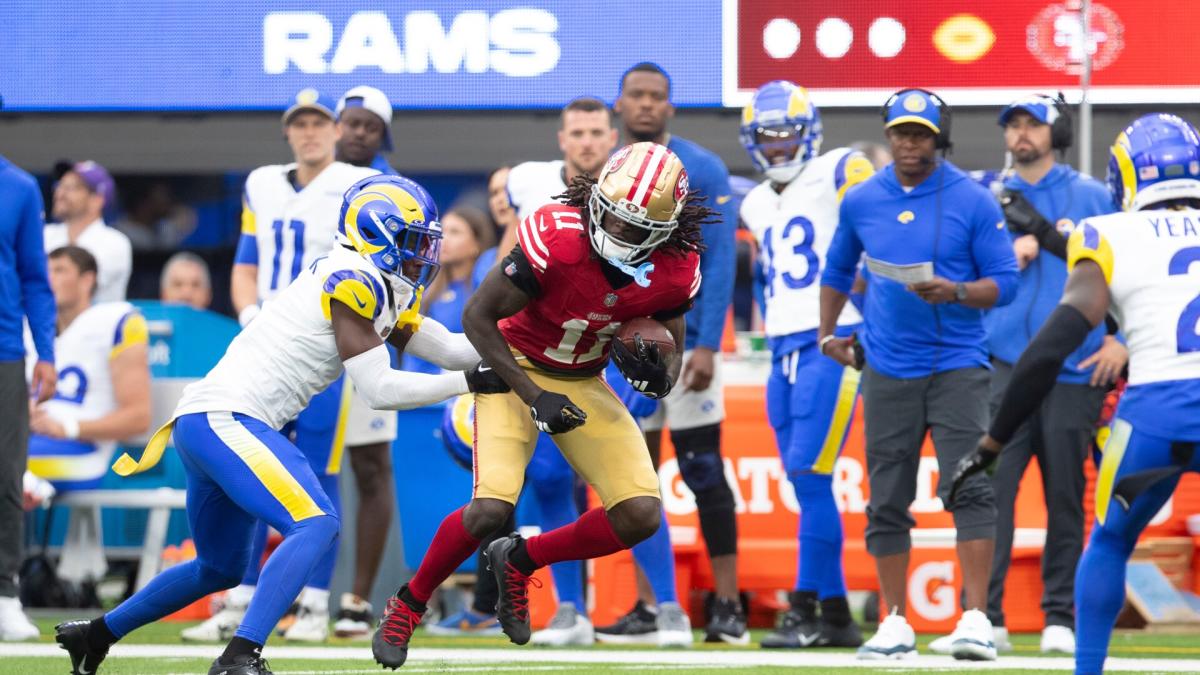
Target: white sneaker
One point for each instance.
(14, 625)
(1000, 637)
(1058, 640)
(942, 645)
(567, 628)
(312, 619)
(893, 640)
(674, 626)
(355, 619)
(219, 627)
(973, 639)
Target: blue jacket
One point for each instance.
(904, 336)
(1062, 193)
(24, 284)
(708, 175)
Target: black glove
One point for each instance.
(483, 380)
(554, 413)
(980, 460)
(1022, 217)
(643, 368)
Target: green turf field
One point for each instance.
(157, 650)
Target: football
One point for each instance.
(651, 331)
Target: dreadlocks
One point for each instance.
(684, 238)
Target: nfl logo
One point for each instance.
(610, 299)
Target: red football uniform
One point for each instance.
(575, 310)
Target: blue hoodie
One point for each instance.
(1063, 193)
(904, 336)
(24, 283)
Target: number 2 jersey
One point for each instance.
(1151, 260)
(283, 229)
(578, 302)
(288, 353)
(794, 228)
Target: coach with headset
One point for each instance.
(1042, 201)
(938, 254)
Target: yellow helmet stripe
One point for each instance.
(351, 223)
(1120, 151)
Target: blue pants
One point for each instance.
(239, 471)
(810, 405)
(1100, 578)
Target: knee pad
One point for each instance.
(718, 520)
(698, 452)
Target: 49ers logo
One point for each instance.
(681, 186)
(618, 159)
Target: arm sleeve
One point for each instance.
(991, 247)
(36, 297)
(384, 388)
(247, 248)
(436, 344)
(844, 252)
(719, 259)
(518, 270)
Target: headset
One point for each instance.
(1062, 132)
(942, 140)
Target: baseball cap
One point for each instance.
(1039, 106)
(913, 105)
(309, 99)
(374, 100)
(97, 179)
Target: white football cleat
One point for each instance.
(219, 627)
(14, 625)
(894, 640)
(973, 639)
(1058, 640)
(311, 624)
(567, 628)
(355, 619)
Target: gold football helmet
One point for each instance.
(644, 185)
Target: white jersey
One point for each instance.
(111, 249)
(535, 184)
(288, 353)
(1151, 260)
(83, 353)
(794, 229)
(292, 229)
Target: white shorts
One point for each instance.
(365, 425)
(685, 409)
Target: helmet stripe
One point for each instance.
(635, 185)
(1120, 151)
(641, 189)
(654, 179)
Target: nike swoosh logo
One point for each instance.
(807, 640)
(484, 369)
(84, 671)
(724, 198)
(361, 303)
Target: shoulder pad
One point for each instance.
(553, 234)
(356, 289)
(1087, 242)
(131, 329)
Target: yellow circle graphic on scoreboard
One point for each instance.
(964, 38)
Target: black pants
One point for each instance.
(1059, 436)
(14, 446)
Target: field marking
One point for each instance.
(439, 658)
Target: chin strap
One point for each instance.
(640, 274)
(412, 317)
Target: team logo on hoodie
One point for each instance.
(906, 217)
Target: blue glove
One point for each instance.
(638, 404)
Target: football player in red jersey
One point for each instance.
(624, 245)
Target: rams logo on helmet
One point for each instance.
(393, 222)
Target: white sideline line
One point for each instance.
(665, 658)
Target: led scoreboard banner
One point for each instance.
(201, 55)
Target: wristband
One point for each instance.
(70, 427)
(824, 341)
(247, 314)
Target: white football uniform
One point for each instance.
(794, 228)
(83, 353)
(1151, 260)
(535, 184)
(288, 353)
(111, 249)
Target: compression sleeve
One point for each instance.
(384, 388)
(1037, 370)
(436, 344)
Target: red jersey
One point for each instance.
(569, 322)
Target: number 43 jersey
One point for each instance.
(578, 302)
(794, 228)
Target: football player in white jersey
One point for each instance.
(289, 219)
(1143, 266)
(241, 469)
(586, 137)
(104, 379)
(810, 399)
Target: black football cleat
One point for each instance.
(390, 643)
(512, 610)
(848, 635)
(72, 636)
(242, 664)
(728, 624)
(796, 630)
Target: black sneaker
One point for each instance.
(638, 627)
(728, 624)
(795, 630)
(72, 636)
(242, 664)
(390, 644)
(848, 635)
(512, 609)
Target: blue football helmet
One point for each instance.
(393, 222)
(1155, 159)
(458, 430)
(781, 117)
